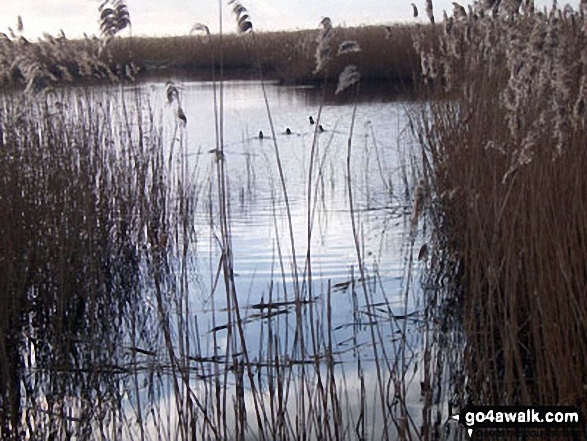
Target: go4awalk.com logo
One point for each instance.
(542, 420)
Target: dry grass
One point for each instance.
(85, 206)
(287, 56)
(387, 54)
(504, 140)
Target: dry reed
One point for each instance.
(504, 143)
(286, 56)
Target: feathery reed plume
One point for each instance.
(199, 27)
(243, 21)
(415, 10)
(349, 76)
(173, 96)
(171, 92)
(114, 17)
(347, 47)
(323, 50)
(459, 12)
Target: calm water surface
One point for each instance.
(257, 211)
(365, 323)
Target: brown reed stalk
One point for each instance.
(511, 201)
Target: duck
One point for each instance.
(311, 120)
(288, 131)
(261, 136)
(321, 129)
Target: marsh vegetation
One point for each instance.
(220, 259)
(387, 54)
(506, 153)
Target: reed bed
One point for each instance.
(387, 55)
(503, 141)
(102, 337)
(53, 61)
(86, 210)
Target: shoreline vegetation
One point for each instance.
(387, 55)
(506, 159)
(98, 204)
(101, 338)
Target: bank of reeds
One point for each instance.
(100, 337)
(387, 55)
(88, 210)
(286, 56)
(504, 139)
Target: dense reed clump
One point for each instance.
(87, 208)
(52, 61)
(387, 54)
(286, 56)
(504, 138)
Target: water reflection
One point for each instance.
(257, 317)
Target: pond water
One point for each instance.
(291, 313)
(382, 155)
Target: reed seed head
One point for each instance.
(349, 76)
(114, 17)
(171, 92)
(241, 13)
(459, 12)
(199, 27)
(323, 50)
(347, 47)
